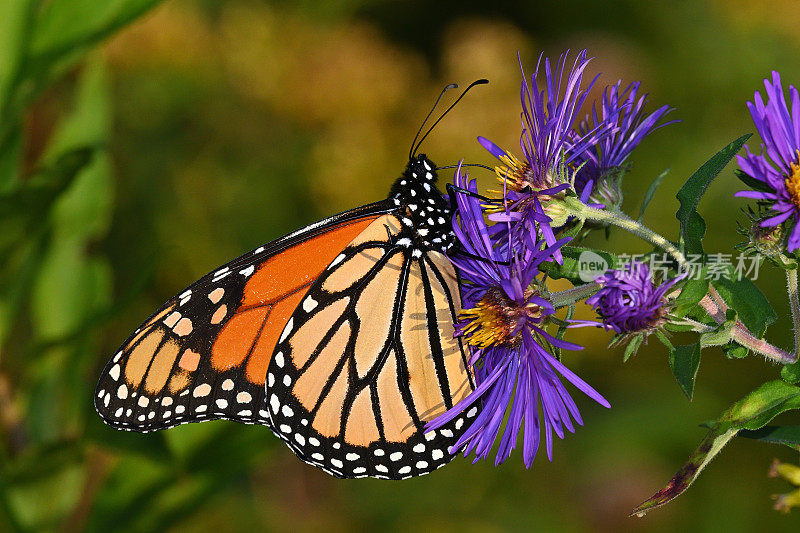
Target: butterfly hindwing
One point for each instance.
(369, 357)
(204, 354)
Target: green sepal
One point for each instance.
(632, 347)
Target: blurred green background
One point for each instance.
(139, 152)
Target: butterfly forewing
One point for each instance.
(204, 354)
(369, 357)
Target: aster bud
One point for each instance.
(608, 189)
(769, 241)
(630, 303)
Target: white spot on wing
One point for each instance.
(202, 390)
(339, 259)
(274, 403)
(309, 304)
(286, 331)
(243, 397)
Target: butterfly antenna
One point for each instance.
(490, 169)
(481, 81)
(411, 150)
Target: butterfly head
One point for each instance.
(424, 211)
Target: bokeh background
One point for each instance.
(216, 126)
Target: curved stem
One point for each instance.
(575, 294)
(623, 221)
(712, 303)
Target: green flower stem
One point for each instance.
(575, 294)
(794, 305)
(713, 303)
(621, 220)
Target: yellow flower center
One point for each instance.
(495, 319)
(518, 176)
(793, 183)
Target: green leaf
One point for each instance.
(692, 292)
(752, 306)
(66, 25)
(791, 373)
(734, 351)
(71, 284)
(63, 32)
(575, 266)
(10, 152)
(751, 412)
(44, 485)
(788, 435)
(721, 335)
(693, 227)
(651, 191)
(684, 361)
(24, 211)
(16, 20)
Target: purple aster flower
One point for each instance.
(602, 164)
(503, 323)
(629, 301)
(549, 146)
(779, 169)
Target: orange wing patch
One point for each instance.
(298, 266)
(270, 296)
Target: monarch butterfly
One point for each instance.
(339, 337)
